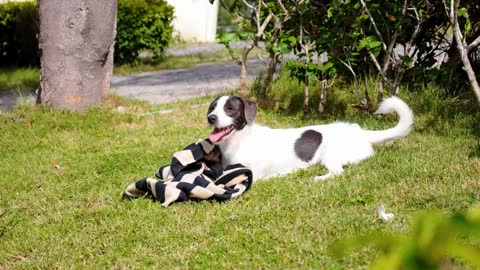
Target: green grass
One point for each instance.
(19, 78)
(73, 217)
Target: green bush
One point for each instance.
(434, 241)
(19, 34)
(142, 25)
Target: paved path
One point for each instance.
(177, 84)
(163, 86)
(8, 100)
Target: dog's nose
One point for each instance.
(212, 119)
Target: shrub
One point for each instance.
(435, 241)
(142, 25)
(19, 34)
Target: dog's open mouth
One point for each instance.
(219, 133)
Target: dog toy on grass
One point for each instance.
(194, 173)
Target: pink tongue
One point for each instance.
(217, 134)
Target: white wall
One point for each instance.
(195, 20)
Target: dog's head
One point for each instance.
(228, 114)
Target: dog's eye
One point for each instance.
(230, 109)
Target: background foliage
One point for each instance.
(18, 34)
(397, 42)
(434, 241)
(141, 25)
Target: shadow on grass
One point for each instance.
(440, 111)
(285, 96)
(436, 110)
(475, 153)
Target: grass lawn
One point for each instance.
(19, 79)
(72, 217)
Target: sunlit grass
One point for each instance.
(72, 217)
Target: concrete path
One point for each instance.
(163, 86)
(8, 100)
(178, 84)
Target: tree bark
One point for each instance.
(463, 48)
(323, 96)
(268, 74)
(380, 91)
(468, 67)
(306, 97)
(243, 80)
(76, 43)
(243, 72)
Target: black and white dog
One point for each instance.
(270, 152)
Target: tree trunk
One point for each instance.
(323, 96)
(76, 43)
(306, 96)
(470, 73)
(243, 80)
(243, 72)
(268, 74)
(462, 49)
(380, 91)
(365, 91)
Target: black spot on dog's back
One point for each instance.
(307, 144)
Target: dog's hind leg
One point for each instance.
(332, 171)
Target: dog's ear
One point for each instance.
(250, 110)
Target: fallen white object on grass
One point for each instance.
(383, 215)
(121, 109)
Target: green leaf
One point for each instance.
(292, 39)
(375, 44)
(330, 13)
(363, 17)
(468, 27)
(326, 66)
(283, 47)
(229, 37)
(245, 35)
(332, 72)
(370, 43)
(463, 12)
(407, 60)
(364, 43)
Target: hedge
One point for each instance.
(141, 25)
(19, 34)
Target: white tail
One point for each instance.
(404, 126)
